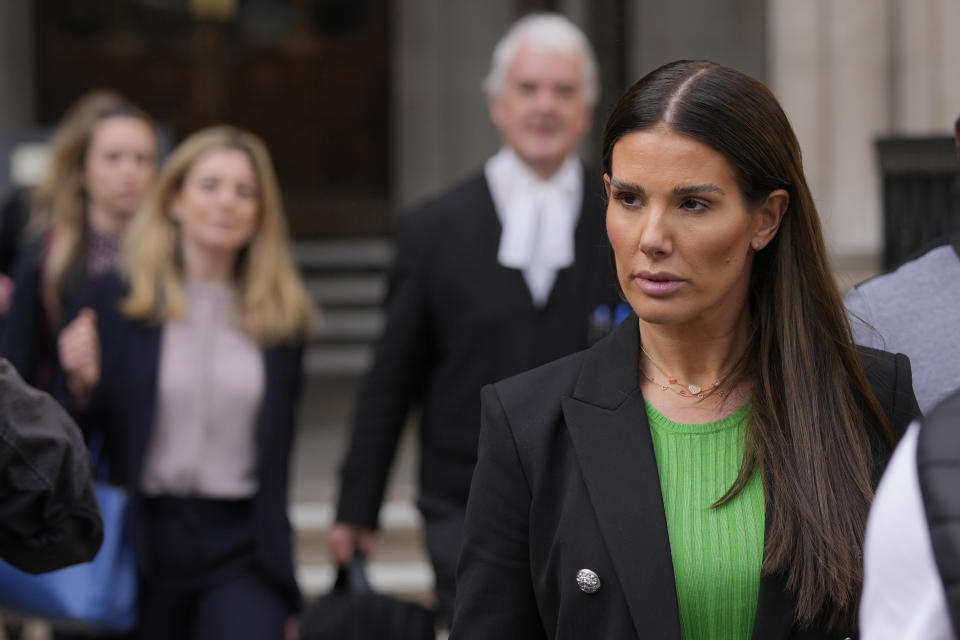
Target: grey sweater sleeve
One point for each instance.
(49, 516)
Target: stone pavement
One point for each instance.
(398, 565)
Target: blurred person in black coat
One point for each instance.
(14, 215)
(49, 516)
(497, 274)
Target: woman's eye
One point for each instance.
(627, 199)
(691, 204)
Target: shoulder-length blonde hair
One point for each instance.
(274, 304)
(59, 204)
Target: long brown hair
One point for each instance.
(58, 200)
(808, 434)
(274, 303)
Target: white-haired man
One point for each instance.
(500, 273)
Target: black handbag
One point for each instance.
(352, 610)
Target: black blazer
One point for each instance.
(123, 406)
(28, 339)
(49, 517)
(458, 320)
(567, 479)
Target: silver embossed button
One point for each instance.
(588, 581)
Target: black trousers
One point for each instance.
(200, 579)
(443, 530)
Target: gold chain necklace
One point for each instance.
(685, 390)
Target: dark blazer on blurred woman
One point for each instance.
(567, 480)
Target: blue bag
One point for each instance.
(100, 595)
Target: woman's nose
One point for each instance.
(654, 234)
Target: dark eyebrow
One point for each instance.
(621, 185)
(698, 188)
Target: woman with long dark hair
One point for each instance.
(706, 470)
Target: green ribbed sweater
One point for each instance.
(716, 552)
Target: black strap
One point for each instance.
(352, 577)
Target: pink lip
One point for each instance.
(657, 284)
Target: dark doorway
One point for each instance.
(308, 76)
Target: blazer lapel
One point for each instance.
(607, 421)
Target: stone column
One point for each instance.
(731, 32)
(16, 65)
(441, 53)
(926, 66)
(848, 73)
(829, 69)
(16, 80)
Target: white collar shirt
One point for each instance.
(538, 218)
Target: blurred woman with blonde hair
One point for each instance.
(103, 157)
(196, 389)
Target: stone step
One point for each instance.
(347, 289)
(411, 581)
(338, 360)
(348, 280)
(352, 325)
(350, 254)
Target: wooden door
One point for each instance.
(308, 76)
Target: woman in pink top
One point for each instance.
(189, 361)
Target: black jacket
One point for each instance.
(458, 320)
(567, 479)
(938, 469)
(49, 517)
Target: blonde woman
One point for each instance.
(195, 385)
(103, 158)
